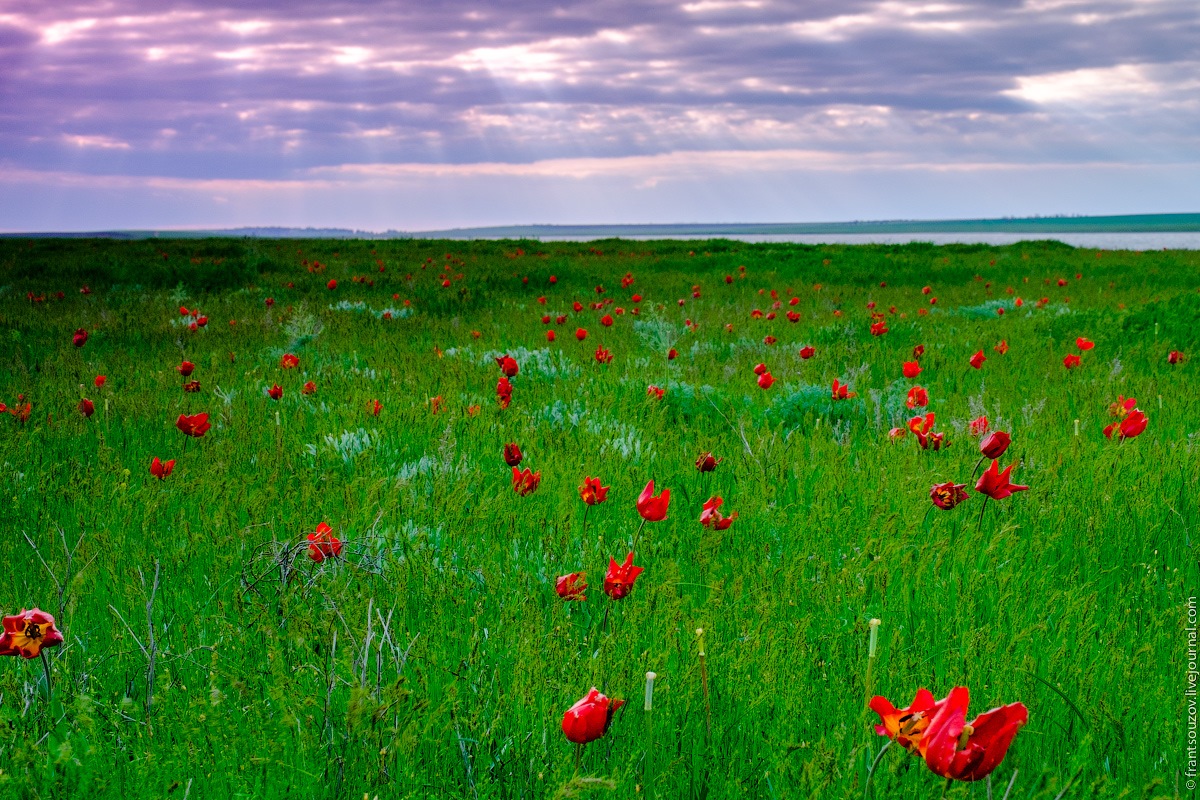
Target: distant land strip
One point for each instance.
(1129, 223)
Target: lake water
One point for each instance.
(1098, 241)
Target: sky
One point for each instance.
(418, 115)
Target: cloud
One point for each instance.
(281, 90)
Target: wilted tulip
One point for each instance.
(918, 397)
(711, 517)
(570, 587)
(948, 495)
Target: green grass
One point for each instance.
(1069, 597)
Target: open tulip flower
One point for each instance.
(25, 634)
(978, 359)
(918, 397)
(1122, 407)
(571, 587)
(969, 751)
(289, 361)
(979, 426)
(904, 726)
(195, 425)
(651, 508)
(590, 718)
(1071, 361)
(618, 581)
(841, 391)
(525, 481)
(710, 517)
(947, 495)
(1084, 344)
(322, 544)
(186, 368)
(995, 484)
(1133, 423)
(911, 369)
(592, 492)
(161, 469)
(807, 352)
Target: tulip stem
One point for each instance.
(636, 534)
(578, 756)
(977, 465)
(874, 764)
(583, 527)
(982, 508)
(46, 667)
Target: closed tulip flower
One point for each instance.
(590, 718)
(994, 444)
(652, 508)
(512, 454)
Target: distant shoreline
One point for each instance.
(1038, 226)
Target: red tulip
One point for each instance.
(323, 544)
(842, 391)
(1083, 344)
(195, 425)
(994, 444)
(192, 387)
(508, 365)
(603, 355)
(979, 426)
(592, 492)
(618, 581)
(965, 751)
(1071, 361)
(766, 380)
(570, 587)
(948, 495)
(896, 434)
(917, 397)
(332, 284)
(275, 392)
(185, 369)
(606, 320)
(87, 407)
(918, 351)
(504, 392)
(580, 334)
(671, 354)
(912, 369)
(590, 718)
(80, 338)
(879, 328)
(807, 352)
(710, 517)
(706, 462)
(100, 381)
(759, 369)
(161, 469)
(512, 454)
(1176, 357)
(651, 508)
(308, 388)
(978, 359)
(995, 484)
(289, 361)
(525, 481)
(374, 407)
(1001, 348)
(905, 726)
(201, 321)
(25, 634)
(1132, 425)
(926, 290)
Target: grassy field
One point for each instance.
(207, 656)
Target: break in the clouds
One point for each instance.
(145, 113)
